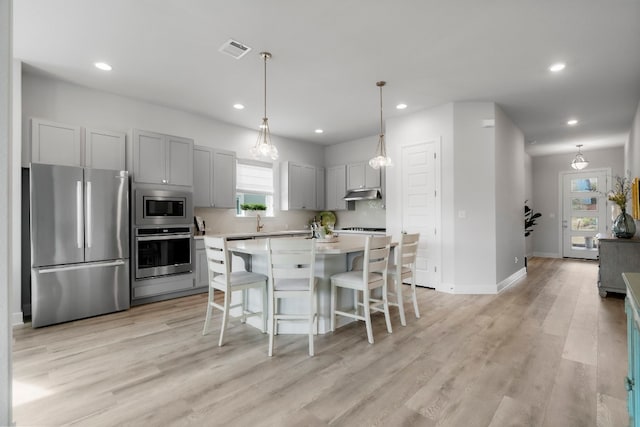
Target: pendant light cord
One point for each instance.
(265, 56)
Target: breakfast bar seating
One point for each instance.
(221, 278)
(291, 264)
(332, 257)
(372, 276)
(405, 268)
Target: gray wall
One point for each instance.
(6, 168)
(546, 198)
(528, 196)
(474, 176)
(69, 103)
(481, 188)
(632, 147)
(510, 197)
(435, 124)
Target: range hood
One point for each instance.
(363, 194)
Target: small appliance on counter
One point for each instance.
(200, 225)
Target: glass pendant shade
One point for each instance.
(381, 159)
(263, 147)
(579, 162)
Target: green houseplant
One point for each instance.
(252, 209)
(529, 219)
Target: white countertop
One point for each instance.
(344, 245)
(257, 234)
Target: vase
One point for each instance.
(624, 225)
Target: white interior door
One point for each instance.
(584, 212)
(420, 211)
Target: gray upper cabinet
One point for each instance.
(162, 159)
(202, 176)
(104, 149)
(336, 188)
(299, 190)
(214, 174)
(70, 145)
(361, 175)
(320, 190)
(224, 179)
(55, 143)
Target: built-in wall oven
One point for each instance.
(163, 207)
(162, 251)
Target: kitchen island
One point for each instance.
(331, 258)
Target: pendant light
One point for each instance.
(381, 159)
(264, 148)
(579, 162)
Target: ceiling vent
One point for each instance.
(234, 48)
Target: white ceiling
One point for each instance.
(328, 55)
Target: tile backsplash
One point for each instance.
(368, 213)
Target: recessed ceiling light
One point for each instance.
(318, 131)
(103, 66)
(238, 106)
(401, 106)
(557, 67)
(572, 122)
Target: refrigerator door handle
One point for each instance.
(81, 266)
(79, 220)
(89, 216)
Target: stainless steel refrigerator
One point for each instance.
(79, 243)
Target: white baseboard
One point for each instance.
(448, 288)
(512, 279)
(547, 254)
(476, 290)
(17, 319)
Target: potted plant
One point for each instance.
(529, 219)
(252, 209)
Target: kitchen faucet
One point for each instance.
(259, 226)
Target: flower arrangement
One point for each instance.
(620, 193)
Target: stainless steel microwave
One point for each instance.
(162, 207)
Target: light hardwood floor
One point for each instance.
(548, 351)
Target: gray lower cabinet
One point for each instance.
(201, 269)
(617, 256)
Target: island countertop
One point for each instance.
(256, 234)
(343, 245)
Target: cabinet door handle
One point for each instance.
(628, 383)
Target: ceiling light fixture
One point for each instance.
(318, 131)
(401, 106)
(557, 67)
(381, 159)
(264, 148)
(103, 66)
(238, 106)
(579, 162)
(572, 122)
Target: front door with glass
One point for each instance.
(584, 213)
